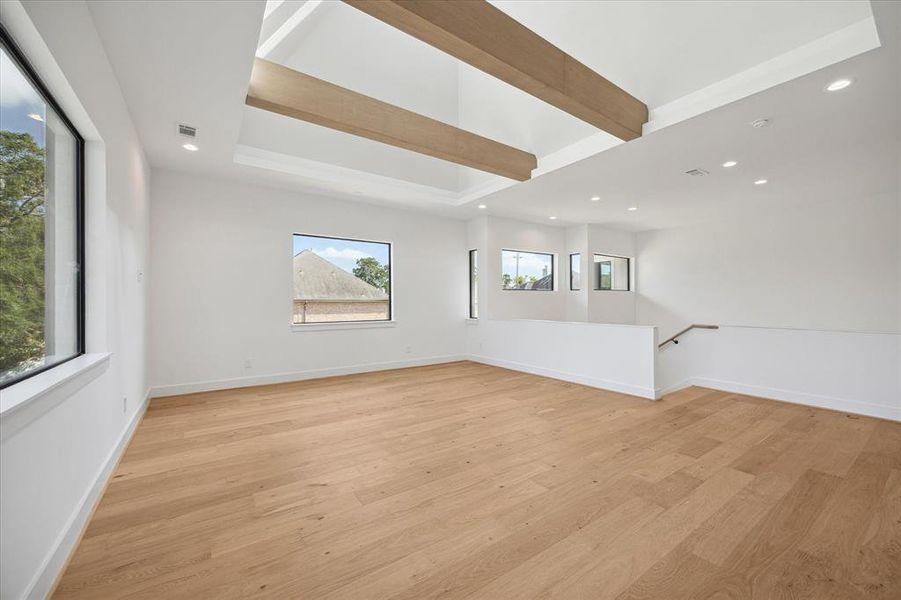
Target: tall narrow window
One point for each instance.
(575, 272)
(531, 271)
(473, 284)
(612, 273)
(339, 280)
(41, 225)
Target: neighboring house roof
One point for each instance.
(315, 278)
(545, 283)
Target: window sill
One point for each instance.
(343, 325)
(24, 392)
(472, 321)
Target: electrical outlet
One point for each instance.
(125, 404)
(408, 349)
(248, 363)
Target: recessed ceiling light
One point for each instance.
(595, 198)
(36, 117)
(760, 182)
(838, 84)
(552, 218)
(730, 163)
(633, 208)
(190, 147)
(482, 206)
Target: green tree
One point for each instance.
(21, 250)
(507, 280)
(373, 272)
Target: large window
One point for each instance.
(473, 284)
(532, 271)
(339, 280)
(41, 225)
(612, 273)
(575, 272)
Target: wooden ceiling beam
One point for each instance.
(485, 37)
(288, 92)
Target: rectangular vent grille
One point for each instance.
(697, 172)
(187, 130)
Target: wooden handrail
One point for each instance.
(675, 339)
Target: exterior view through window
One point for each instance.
(612, 273)
(575, 272)
(340, 280)
(533, 271)
(41, 233)
(473, 284)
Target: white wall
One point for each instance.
(831, 265)
(621, 358)
(56, 449)
(807, 300)
(509, 234)
(222, 286)
(576, 301)
(611, 306)
(846, 371)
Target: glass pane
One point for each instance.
(527, 270)
(575, 272)
(39, 269)
(612, 272)
(473, 284)
(339, 280)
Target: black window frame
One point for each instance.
(390, 245)
(553, 274)
(473, 283)
(571, 288)
(597, 282)
(22, 63)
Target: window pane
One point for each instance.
(527, 270)
(575, 272)
(339, 280)
(473, 284)
(612, 272)
(39, 229)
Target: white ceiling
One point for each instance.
(190, 62)
(819, 146)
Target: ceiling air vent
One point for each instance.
(697, 172)
(187, 130)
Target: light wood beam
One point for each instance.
(282, 90)
(485, 37)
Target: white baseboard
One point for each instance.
(880, 411)
(240, 382)
(604, 384)
(661, 392)
(47, 577)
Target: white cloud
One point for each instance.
(347, 253)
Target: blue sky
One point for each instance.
(529, 264)
(343, 253)
(17, 100)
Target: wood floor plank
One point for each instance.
(469, 481)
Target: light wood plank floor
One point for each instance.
(469, 481)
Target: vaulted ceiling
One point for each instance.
(702, 68)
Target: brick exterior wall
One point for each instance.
(317, 311)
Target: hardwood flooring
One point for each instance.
(468, 481)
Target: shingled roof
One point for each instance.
(315, 278)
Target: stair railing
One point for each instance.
(675, 339)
